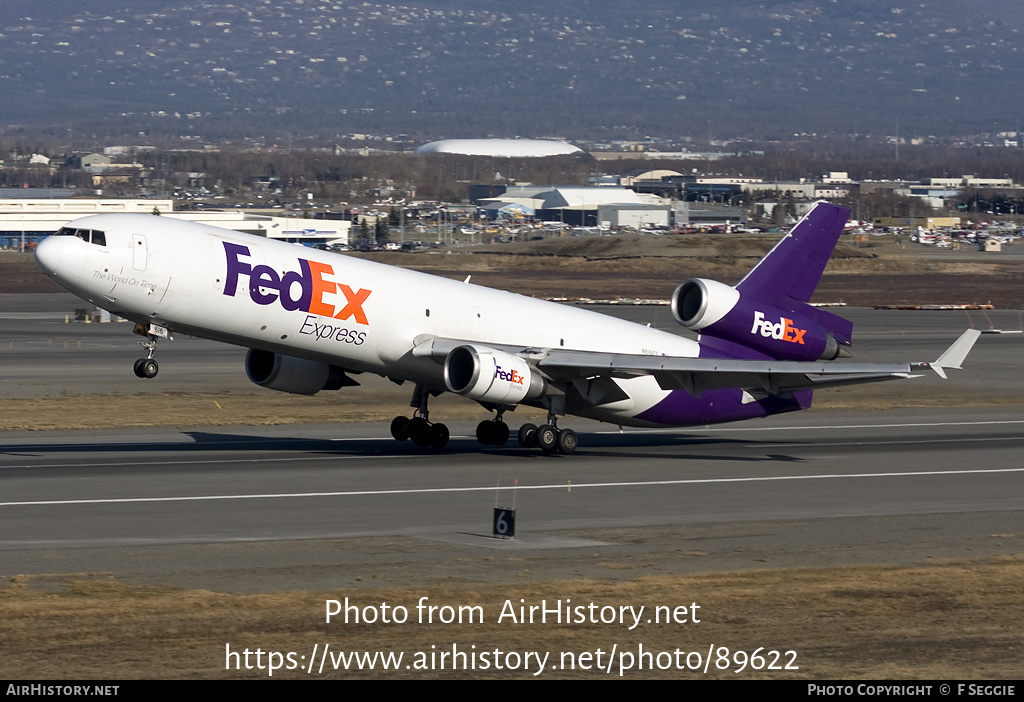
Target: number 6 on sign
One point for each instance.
(504, 522)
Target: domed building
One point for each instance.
(501, 148)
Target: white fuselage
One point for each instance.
(356, 314)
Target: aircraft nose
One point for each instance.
(48, 254)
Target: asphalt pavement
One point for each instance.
(305, 506)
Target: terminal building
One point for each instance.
(25, 221)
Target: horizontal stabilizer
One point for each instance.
(954, 356)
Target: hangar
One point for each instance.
(586, 206)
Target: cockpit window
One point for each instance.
(94, 236)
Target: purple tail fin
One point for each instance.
(789, 272)
(793, 268)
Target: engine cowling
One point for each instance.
(488, 375)
(698, 302)
(291, 374)
(794, 332)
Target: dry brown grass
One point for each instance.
(209, 409)
(268, 409)
(938, 621)
(857, 280)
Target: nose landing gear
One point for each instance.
(147, 367)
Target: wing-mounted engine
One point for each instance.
(295, 375)
(796, 331)
(492, 376)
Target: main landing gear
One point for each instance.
(491, 432)
(419, 429)
(147, 367)
(547, 437)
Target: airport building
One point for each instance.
(500, 148)
(24, 221)
(581, 206)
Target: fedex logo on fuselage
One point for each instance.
(510, 376)
(782, 329)
(311, 282)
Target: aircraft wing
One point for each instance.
(696, 375)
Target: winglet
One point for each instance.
(954, 356)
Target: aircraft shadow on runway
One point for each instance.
(598, 445)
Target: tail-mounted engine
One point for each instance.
(797, 332)
(488, 375)
(295, 375)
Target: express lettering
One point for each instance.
(343, 335)
(782, 329)
(296, 290)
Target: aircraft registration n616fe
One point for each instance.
(312, 319)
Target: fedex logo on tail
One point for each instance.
(296, 290)
(783, 329)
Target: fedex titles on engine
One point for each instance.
(783, 329)
(266, 286)
(513, 376)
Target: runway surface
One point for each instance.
(107, 492)
(245, 508)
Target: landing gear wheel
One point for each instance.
(438, 435)
(567, 441)
(500, 435)
(147, 367)
(400, 428)
(547, 438)
(492, 433)
(483, 433)
(528, 435)
(419, 431)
